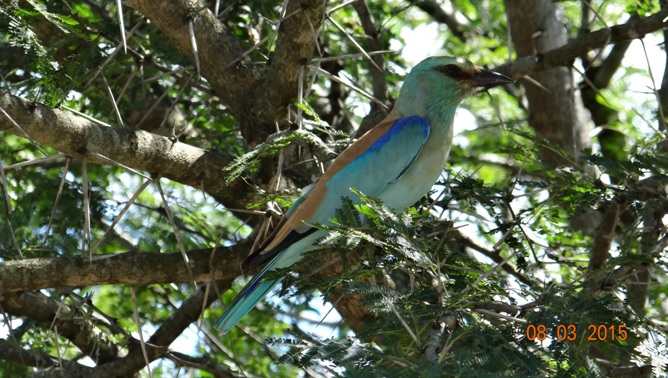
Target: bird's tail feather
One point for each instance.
(255, 290)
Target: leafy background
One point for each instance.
(147, 146)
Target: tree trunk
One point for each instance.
(555, 105)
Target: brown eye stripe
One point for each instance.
(453, 71)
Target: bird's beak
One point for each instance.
(488, 79)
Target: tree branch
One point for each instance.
(48, 313)
(157, 345)
(51, 365)
(564, 55)
(295, 45)
(606, 233)
(220, 54)
(83, 139)
(378, 77)
(375, 43)
(439, 14)
(130, 268)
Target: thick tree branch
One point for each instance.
(258, 99)
(131, 268)
(169, 268)
(49, 313)
(134, 361)
(295, 46)
(50, 364)
(189, 312)
(84, 139)
(564, 55)
(229, 71)
(219, 52)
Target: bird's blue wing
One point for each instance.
(380, 164)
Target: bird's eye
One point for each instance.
(453, 71)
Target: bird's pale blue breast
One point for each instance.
(424, 171)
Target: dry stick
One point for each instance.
(114, 162)
(11, 120)
(251, 49)
(139, 330)
(8, 208)
(113, 53)
(355, 56)
(57, 345)
(117, 112)
(597, 14)
(173, 106)
(216, 341)
(125, 87)
(170, 216)
(342, 5)
(216, 8)
(446, 347)
(605, 26)
(314, 34)
(403, 322)
(164, 73)
(378, 77)
(122, 25)
(364, 93)
(34, 161)
(489, 272)
(500, 316)
(86, 116)
(300, 96)
(120, 215)
(354, 42)
(495, 256)
(57, 201)
(263, 40)
(155, 105)
(651, 76)
(193, 43)
(86, 239)
(606, 233)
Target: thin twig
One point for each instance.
(139, 330)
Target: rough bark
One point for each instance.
(257, 98)
(564, 55)
(555, 105)
(129, 268)
(86, 140)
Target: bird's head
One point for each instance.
(443, 82)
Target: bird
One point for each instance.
(397, 161)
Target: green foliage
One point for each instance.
(451, 287)
(447, 288)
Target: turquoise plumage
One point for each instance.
(398, 161)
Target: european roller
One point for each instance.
(398, 161)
